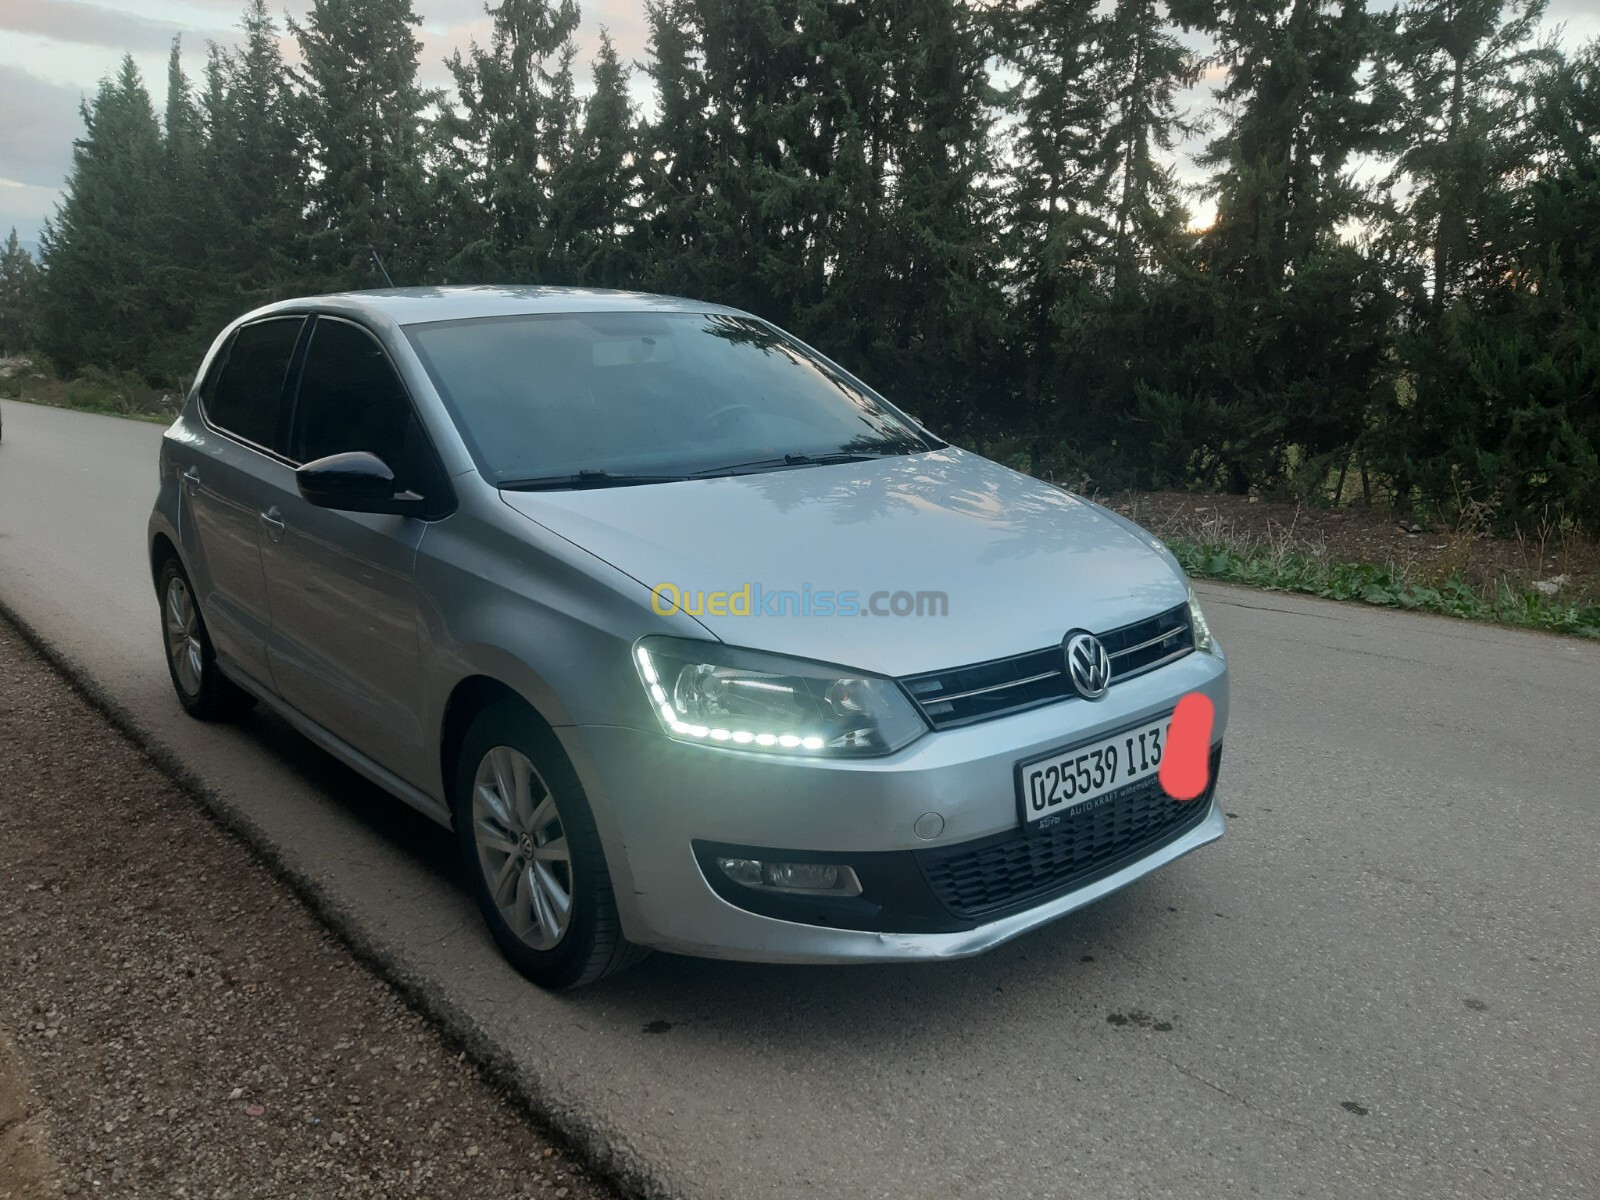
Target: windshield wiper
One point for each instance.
(583, 479)
(795, 460)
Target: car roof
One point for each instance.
(416, 305)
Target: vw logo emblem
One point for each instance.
(1088, 665)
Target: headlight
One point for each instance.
(718, 695)
(1197, 622)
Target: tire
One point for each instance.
(205, 693)
(528, 839)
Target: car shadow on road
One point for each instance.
(425, 843)
(844, 1008)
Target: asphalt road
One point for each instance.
(1384, 981)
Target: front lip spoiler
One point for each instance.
(846, 945)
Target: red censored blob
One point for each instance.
(1186, 762)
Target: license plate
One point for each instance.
(1067, 783)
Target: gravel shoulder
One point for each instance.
(188, 1026)
(27, 1169)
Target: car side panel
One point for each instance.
(343, 647)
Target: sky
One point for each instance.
(53, 54)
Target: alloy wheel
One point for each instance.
(183, 637)
(522, 848)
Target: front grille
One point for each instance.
(1009, 685)
(1017, 869)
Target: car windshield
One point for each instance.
(592, 399)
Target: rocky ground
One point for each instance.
(187, 1027)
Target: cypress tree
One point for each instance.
(497, 140)
(594, 190)
(364, 129)
(100, 299)
(19, 279)
(676, 150)
(258, 170)
(1503, 404)
(1142, 68)
(183, 230)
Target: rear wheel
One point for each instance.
(533, 854)
(203, 690)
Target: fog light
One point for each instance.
(742, 870)
(810, 877)
(831, 879)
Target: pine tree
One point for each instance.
(364, 124)
(1142, 68)
(1057, 213)
(751, 192)
(676, 149)
(1463, 74)
(1504, 396)
(183, 231)
(496, 141)
(942, 287)
(99, 300)
(19, 278)
(1463, 80)
(1287, 339)
(258, 172)
(594, 190)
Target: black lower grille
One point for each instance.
(1017, 869)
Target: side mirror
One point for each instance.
(354, 482)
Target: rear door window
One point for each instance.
(246, 399)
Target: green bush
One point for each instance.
(1289, 572)
(124, 393)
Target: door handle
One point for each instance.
(273, 520)
(191, 480)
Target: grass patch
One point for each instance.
(28, 378)
(1280, 567)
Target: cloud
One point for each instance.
(439, 45)
(93, 24)
(25, 209)
(1579, 19)
(623, 19)
(41, 121)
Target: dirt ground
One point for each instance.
(187, 1027)
(1422, 553)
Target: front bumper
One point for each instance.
(655, 799)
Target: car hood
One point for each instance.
(1021, 562)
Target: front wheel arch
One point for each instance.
(468, 698)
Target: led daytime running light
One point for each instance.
(741, 737)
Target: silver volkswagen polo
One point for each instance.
(694, 640)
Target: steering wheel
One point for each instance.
(723, 413)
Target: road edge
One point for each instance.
(567, 1126)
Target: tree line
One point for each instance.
(971, 203)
